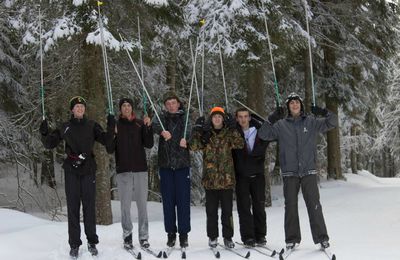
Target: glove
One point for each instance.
(79, 161)
(199, 124)
(256, 121)
(318, 111)
(205, 137)
(230, 121)
(110, 121)
(44, 127)
(277, 115)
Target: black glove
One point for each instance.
(318, 111)
(79, 161)
(205, 137)
(230, 121)
(256, 121)
(199, 124)
(44, 127)
(110, 121)
(277, 115)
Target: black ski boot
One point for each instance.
(229, 243)
(249, 242)
(144, 243)
(128, 242)
(183, 240)
(171, 239)
(92, 249)
(324, 244)
(74, 252)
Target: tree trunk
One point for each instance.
(47, 172)
(93, 87)
(256, 100)
(333, 139)
(171, 71)
(353, 153)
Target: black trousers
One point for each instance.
(309, 188)
(250, 199)
(81, 188)
(213, 199)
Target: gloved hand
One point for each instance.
(318, 111)
(79, 161)
(277, 115)
(230, 121)
(256, 120)
(205, 137)
(110, 121)
(44, 127)
(199, 124)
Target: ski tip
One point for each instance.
(139, 256)
(247, 255)
(334, 257)
(165, 255)
(183, 255)
(159, 255)
(217, 255)
(273, 253)
(282, 251)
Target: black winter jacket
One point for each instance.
(170, 154)
(250, 164)
(79, 136)
(129, 143)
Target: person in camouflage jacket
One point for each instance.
(217, 139)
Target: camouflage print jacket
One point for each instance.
(218, 168)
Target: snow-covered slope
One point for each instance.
(362, 215)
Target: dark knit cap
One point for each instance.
(125, 100)
(76, 100)
(170, 95)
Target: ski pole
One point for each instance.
(41, 63)
(223, 74)
(251, 110)
(143, 86)
(195, 74)
(278, 98)
(141, 66)
(105, 62)
(191, 85)
(310, 55)
(202, 23)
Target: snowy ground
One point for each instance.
(362, 215)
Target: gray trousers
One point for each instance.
(133, 184)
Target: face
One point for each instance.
(243, 118)
(295, 107)
(126, 110)
(217, 121)
(79, 110)
(172, 105)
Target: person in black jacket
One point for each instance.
(174, 169)
(79, 134)
(250, 180)
(132, 135)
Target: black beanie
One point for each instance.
(76, 100)
(125, 100)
